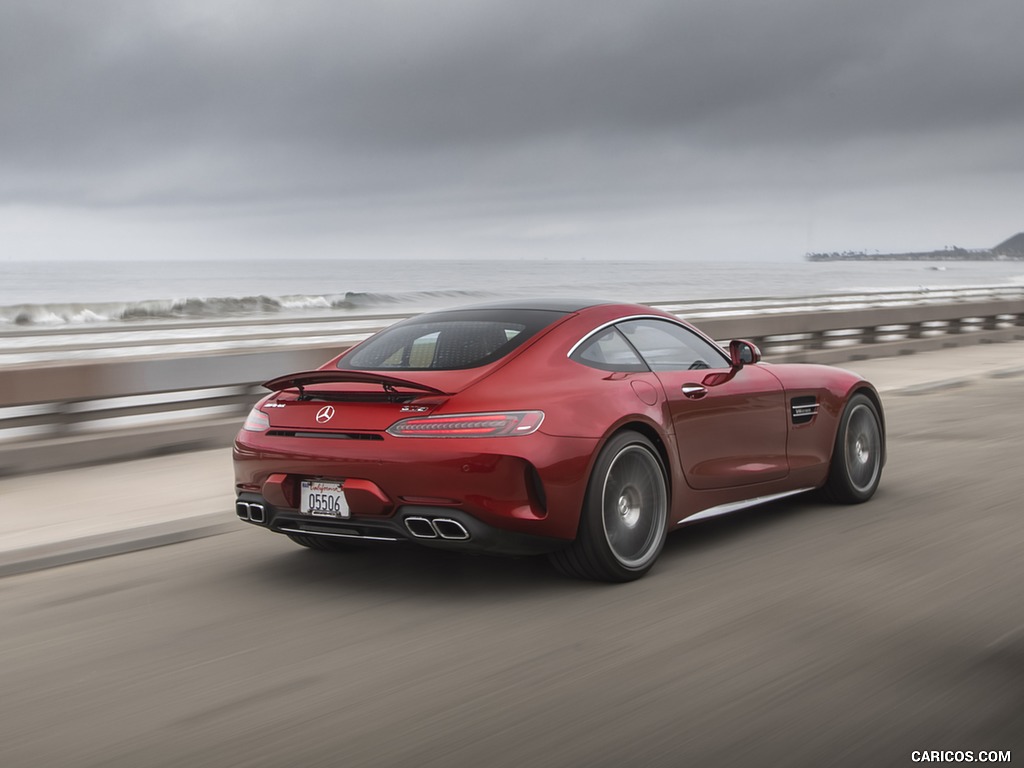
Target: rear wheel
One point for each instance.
(623, 522)
(322, 543)
(857, 456)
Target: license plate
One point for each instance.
(323, 498)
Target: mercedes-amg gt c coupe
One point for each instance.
(583, 430)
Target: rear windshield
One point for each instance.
(446, 341)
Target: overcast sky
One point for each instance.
(511, 128)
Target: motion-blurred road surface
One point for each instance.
(795, 634)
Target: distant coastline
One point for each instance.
(1008, 250)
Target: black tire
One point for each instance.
(321, 543)
(624, 517)
(857, 455)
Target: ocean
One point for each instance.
(53, 294)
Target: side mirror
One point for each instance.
(743, 352)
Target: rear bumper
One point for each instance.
(441, 528)
(531, 485)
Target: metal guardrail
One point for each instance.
(796, 334)
(91, 411)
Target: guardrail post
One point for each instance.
(62, 418)
(253, 394)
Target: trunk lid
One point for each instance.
(335, 401)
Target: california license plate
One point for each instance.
(324, 498)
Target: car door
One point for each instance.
(729, 423)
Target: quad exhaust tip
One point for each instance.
(450, 529)
(436, 528)
(254, 513)
(420, 527)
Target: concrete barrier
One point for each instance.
(80, 413)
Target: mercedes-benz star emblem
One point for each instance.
(325, 414)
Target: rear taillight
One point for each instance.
(507, 424)
(256, 421)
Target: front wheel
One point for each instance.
(857, 456)
(623, 521)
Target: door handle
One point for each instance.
(694, 391)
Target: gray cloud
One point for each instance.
(485, 111)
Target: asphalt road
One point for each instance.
(795, 634)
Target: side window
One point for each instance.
(666, 346)
(608, 351)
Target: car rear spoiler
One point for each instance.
(304, 379)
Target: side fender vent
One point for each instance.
(804, 409)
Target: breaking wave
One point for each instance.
(229, 307)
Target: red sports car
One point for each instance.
(584, 430)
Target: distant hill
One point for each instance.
(1012, 249)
